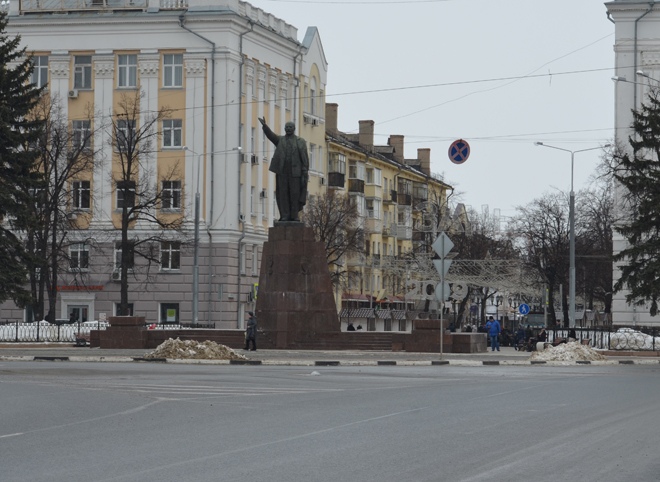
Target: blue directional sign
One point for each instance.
(459, 151)
(523, 309)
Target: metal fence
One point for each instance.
(15, 331)
(628, 339)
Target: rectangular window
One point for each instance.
(81, 194)
(125, 194)
(255, 256)
(40, 72)
(126, 135)
(79, 256)
(170, 255)
(81, 134)
(130, 263)
(312, 157)
(241, 259)
(373, 208)
(173, 70)
(169, 313)
(82, 76)
(171, 195)
(337, 163)
(127, 70)
(172, 129)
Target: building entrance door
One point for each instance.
(80, 312)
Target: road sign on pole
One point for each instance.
(442, 245)
(459, 151)
(523, 309)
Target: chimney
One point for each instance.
(396, 141)
(331, 114)
(366, 138)
(424, 156)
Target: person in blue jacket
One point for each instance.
(494, 330)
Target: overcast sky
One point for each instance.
(499, 74)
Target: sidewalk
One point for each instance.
(507, 356)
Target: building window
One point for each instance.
(373, 208)
(241, 259)
(130, 262)
(127, 70)
(312, 157)
(81, 194)
(40, 72)
(169, 313)
(312, 97)
(173, 70)
(172, 132)
(125, 132)
(81, 133)
(82, 76)
(255, 257)
(125, 194)
(374, 176)
(79, 256)
(171, 195)
(170, 255)
(337, 163)
(253, 201)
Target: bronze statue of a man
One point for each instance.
(290, 164)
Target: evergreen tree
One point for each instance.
(18, 133)
(639, 223)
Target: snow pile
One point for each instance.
(197, 350)
(572, 351)
(629, 339)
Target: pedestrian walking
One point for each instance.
(251, 332)
(494, 329)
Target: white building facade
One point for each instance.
(219, 66)
(636, 48)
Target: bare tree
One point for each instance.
(139, 189)
(335, 221)
(594, 244)
(64, 166)
(543, 227)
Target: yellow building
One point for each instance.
(395, 196)
(217, 66)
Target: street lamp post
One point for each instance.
(195, 300)
(571, 221)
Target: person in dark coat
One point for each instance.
(251, 332)
(350, 326)
(290, 164)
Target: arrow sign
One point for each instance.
(442, 245)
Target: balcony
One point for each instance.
(374, 225)
(404, 199)
(336, 179)
(356, 185)
(43, 6)
(389, 231)
(404, 232)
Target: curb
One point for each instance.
(328, 363)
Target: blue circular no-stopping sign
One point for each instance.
(459, 151)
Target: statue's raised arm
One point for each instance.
(272, 137)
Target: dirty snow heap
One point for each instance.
(572, 351)
(194, 350)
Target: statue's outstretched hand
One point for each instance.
(262, 120)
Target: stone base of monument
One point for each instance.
(295, 303)
(124, 332)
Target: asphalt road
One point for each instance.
(62, 421)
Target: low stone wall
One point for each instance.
(132, 332)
